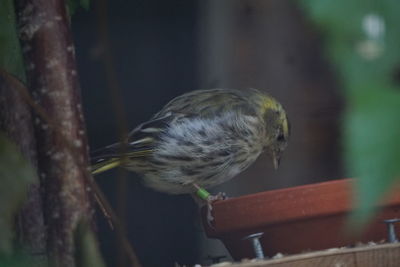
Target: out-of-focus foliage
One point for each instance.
(86, 247)
(362, 41)
(73, 5)
(15, 261)
(87, 253)
(10, 52)
(16, 174)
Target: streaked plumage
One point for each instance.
(203, 137)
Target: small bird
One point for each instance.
(200, 139)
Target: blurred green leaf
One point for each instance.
(73, 5)
(371, 122)
(85, 4)
(372, 146)
(86, 248)
(16, 174)
(15, 261)
(10, 51)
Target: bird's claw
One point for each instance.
(202, 194)
(219, 196)
(210, 200)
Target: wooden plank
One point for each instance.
(387, 255)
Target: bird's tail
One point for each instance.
(105, 165)
(105, 159)
(141, 145)
(115, 155)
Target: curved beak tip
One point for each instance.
(275, 159)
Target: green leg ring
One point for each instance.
(203, 194)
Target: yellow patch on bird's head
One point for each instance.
(274, 115)
(276, 126)
(269, 104)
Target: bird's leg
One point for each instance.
(204, 195)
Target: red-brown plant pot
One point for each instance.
(294, 220)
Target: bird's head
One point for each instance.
(277, 127)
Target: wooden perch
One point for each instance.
(387, 255)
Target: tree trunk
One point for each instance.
(62, 151)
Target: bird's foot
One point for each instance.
(209, 199)
(219, 196)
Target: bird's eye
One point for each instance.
(280, 138)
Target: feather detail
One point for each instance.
(140, 144)
(105, 166)
(203, 137)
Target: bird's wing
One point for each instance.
(140, 143)
(208, 103)
(142, 140)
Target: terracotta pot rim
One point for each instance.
(283, 206)
(306, 217)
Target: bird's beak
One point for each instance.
(276, 159)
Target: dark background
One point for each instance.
(160, 49)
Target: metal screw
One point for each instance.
(392, 237)
(255, 240)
